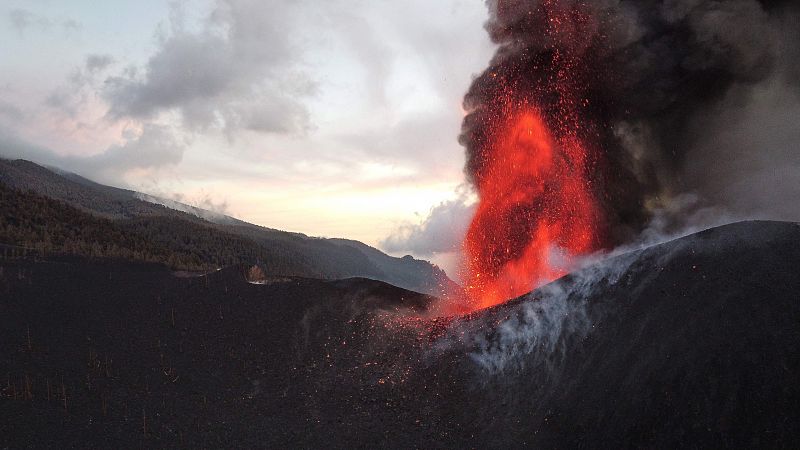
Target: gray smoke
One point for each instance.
(534, 334)
(680, 96)
(535, 331)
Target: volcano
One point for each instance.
(693, 342)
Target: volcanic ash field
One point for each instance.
(690, 342)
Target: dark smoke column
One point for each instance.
(556, 54)
(534, 136)
(618, 87)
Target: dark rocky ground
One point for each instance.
(692, 343)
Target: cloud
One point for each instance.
(204, 206)
(240, 71)
(98, 63)
(440, 232)
(362, 40)
(64, 101)
(80, 88)
(345, 101)
(410, 65)
(81, 85)
(208, 203)
(10, 111)
(23, 20)
(424, 140)
(156, 147)
(12, 147)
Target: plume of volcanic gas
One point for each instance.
(585, 119)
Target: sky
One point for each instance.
(335, 118)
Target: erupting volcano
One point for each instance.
(594, 115)
(536, 211)
(532, 157)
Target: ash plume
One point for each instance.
(667, 92)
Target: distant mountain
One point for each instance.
(404, 272)
(96, 198)
(77, 191)
(64, 212)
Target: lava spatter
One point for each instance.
(533, 162)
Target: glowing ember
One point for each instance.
(537, 207)
(536, 212)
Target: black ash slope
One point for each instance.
(695, 342)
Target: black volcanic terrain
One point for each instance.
(691, 343)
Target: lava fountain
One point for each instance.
(534, 164)
(536, 212)
(586, 117)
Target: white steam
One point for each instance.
(533, 335)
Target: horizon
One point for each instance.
(334, 121)
(385, 124)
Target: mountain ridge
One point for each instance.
(316, 257)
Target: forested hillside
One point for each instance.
(35, 222)
(64, 213)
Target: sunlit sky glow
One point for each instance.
(332, 118)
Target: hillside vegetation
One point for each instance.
(64, 213)
(35, 222)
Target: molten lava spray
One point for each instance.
(535, 173)
(536, 210)
(592, 114)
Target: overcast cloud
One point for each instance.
(155, 147)
(239, 70)
(23, 20)
(441, 231)
(334, 118)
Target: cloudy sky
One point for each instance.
(332, 118)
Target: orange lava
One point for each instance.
(536, 211)
(534, 156)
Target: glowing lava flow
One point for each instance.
(536, 212)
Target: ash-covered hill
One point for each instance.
(691, 343)
(78, 216)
